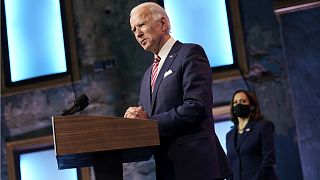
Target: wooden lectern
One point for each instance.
(103, 142)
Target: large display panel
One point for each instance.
(42, 164)
(38, 46)
(204, 22)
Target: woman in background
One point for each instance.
(250, 144)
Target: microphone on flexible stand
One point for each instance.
(78, 105)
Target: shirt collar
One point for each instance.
(164, 51)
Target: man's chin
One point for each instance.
(146, 48)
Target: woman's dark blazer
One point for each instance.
(254, 156)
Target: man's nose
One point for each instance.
(138, 33)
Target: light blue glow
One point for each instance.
(35, 38)
(42, 165)
(222, 128)
(204, 22)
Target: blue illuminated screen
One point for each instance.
(35, 38)
(204, 22)
(42, 165)
(222, 128)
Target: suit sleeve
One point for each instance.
(197, 94)
(229, 141)
(268, 150)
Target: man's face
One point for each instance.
(147, 31)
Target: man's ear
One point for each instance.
(164, 23)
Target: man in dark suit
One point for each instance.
(176, 91)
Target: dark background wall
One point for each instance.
(282, 53)
(301, 39)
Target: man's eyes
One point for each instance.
(142, 24)
(139, 26)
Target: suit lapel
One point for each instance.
(147, 86)
(246, 131)
(166, 65)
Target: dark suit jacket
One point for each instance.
(254, 156)
(181, 103)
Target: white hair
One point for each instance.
(155, 10)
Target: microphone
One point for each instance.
(78, 105)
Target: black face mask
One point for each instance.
(241, 110)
